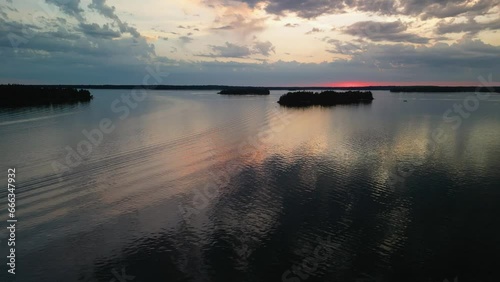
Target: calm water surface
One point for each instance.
(193, 186)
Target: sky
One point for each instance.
(251, 42)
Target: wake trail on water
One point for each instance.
(36, 119)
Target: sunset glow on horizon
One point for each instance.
(415, 83)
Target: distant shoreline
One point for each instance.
(395, 89)
(15, 96)
(325, 98)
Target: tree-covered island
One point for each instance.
(325, 98)
(14, 95)
(245, 91)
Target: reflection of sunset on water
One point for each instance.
(194, 174)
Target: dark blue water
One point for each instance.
(193, 186)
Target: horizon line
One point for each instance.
(253, 86)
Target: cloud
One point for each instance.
(70, 7)
(447, 9)
(109, 12)
(471, 27)
(240, 24)
(303, 8)
(63, 33)
(103, 9)
(384, 31)
(73, 67)
(313, 8)
(57, 50)
(96, 42)
(188, 27)
(3, 14)
(231, 50)
(424, 8)
(115, 63)
(185, 39)
(314, 30)
(462, 61)
(343, 47)
(8, 27)
(264, 48)
(226, 27)
(94, 30)
(466, 54)
(237, 18)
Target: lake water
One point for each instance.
(193, 186)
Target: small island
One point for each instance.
(245, 91)
(14, 95)
(325, 98)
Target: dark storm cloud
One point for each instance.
(95, 30)
(384, 31)
(471, 26)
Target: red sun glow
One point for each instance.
(351, 84)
